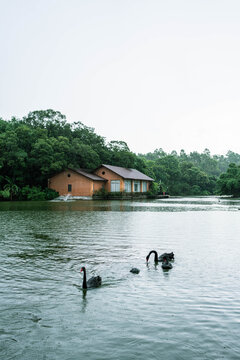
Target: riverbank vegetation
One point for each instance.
(39, 145)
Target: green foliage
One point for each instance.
(5, 194)
(193, 174)
(83, 155)
(102, 193)
(154, 189)
(34, 148)
(50, 194)
(229, 182)
(118, 146)
(11, 187)
(36, 193)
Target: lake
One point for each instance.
(189, 312)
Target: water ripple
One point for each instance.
(189, 312)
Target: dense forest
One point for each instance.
(194, 173)
(34, 148)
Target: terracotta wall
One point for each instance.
(98, 185)
(81, 186)
(109, 175)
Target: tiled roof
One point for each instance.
(89, 175)
(127, 173)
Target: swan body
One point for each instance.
(135, 271)
(166, 264)
(93, 282)
(169, 256)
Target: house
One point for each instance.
(79, 182)
(123, 179)
(76, 182)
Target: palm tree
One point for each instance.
(11, 187)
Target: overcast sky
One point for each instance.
(153, 73)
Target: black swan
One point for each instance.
(165, 264)
(169, 256)
(93, 282)
(135, 271)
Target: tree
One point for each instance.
(233, 157)
(12, 157)
(83, 156)
(229, 182)
(118, 146)
(11, 187)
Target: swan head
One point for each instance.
(83, 269)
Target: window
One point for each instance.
(128, 185)
(144, 186)
(115, 185)
(69, 187)
(136, 186)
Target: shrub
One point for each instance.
(102, 193)
(36, 193)
(153, 190)
(5, 194)
(50, 194)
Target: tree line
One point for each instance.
(194, 173)
(43, 143)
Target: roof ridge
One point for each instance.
(128, 173)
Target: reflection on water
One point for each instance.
(169, 204)
(188, 312)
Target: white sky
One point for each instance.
(153, 73)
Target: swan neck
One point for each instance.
(155, 255)
(84, 284)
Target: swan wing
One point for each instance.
(94, 281)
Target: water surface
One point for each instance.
(189, 312)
